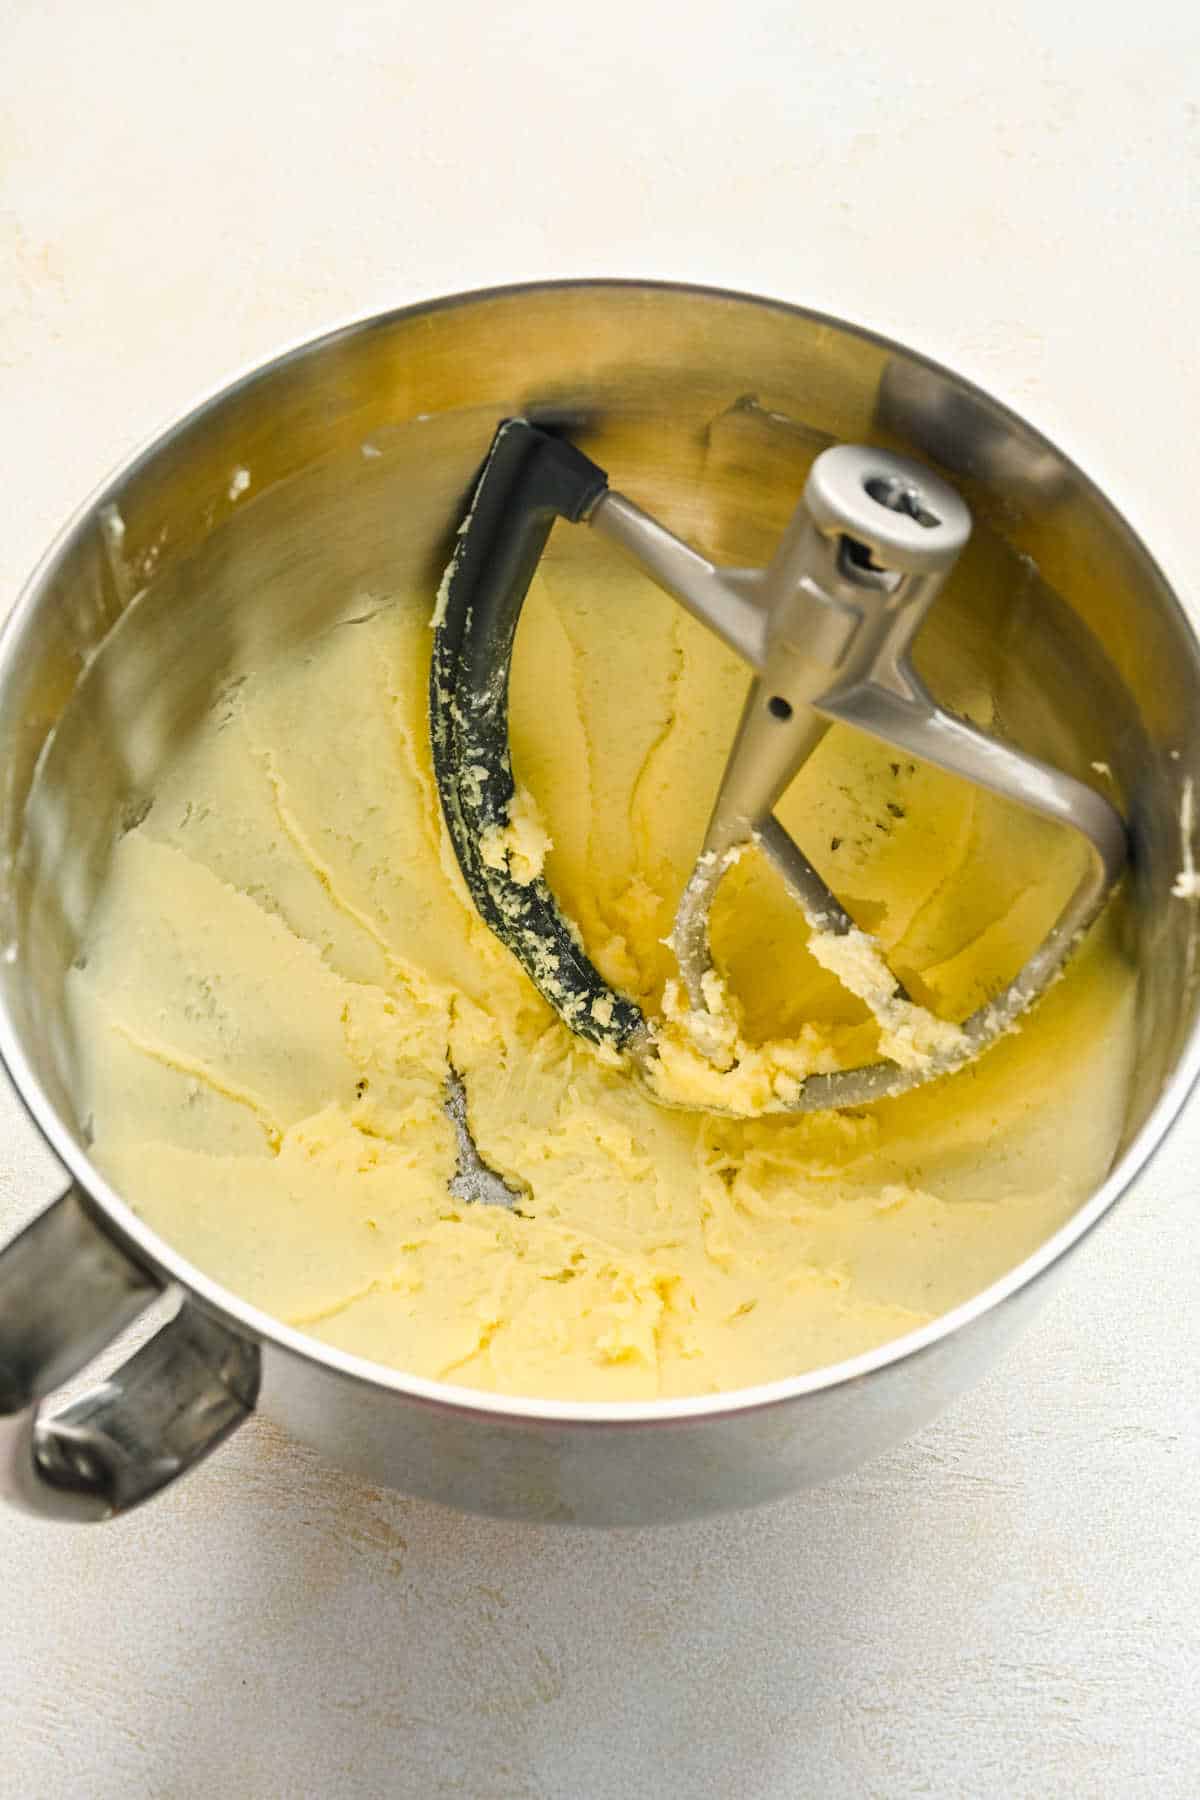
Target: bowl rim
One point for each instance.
(136, 1237)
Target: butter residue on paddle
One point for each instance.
(912, 1036)
(520, 846)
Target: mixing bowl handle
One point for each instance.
(66, 1289)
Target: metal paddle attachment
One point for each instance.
(826, 630)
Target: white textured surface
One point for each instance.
(1009, 1606)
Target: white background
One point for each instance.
(1010, 1605)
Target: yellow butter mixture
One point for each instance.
(284, 961)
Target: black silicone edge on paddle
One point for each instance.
(529, 480)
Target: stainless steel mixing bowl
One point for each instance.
(332, 473)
